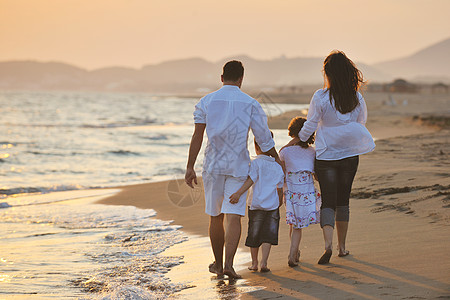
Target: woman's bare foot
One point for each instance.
(343, 253)
(231, 273)
(325, 257)
(213, 268)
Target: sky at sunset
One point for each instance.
(98, 33)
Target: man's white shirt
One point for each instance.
(229, 114)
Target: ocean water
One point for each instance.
(64, 246)
(56, 150)
(62, 141)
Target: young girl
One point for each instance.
(302, 199)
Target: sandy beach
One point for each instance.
(399, 227)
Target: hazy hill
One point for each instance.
(432, 62)
(186, 75)
(37, 75)
(171, 76)
(292, 71)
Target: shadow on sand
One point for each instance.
(355, 279)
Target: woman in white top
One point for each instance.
(338, 114)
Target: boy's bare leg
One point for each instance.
(232, 236)
(265, 249)
(217, 237)
(293, 250)
(254, 253)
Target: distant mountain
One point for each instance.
(432, 62)
(292, 71)
(172, 76)
(187, 75)
(37, 75)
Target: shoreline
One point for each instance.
(398, 193)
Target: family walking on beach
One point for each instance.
(335, 123)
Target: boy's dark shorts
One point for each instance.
(262, 227)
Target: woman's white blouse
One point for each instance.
(338, 135)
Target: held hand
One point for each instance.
(291, 142)
(235, 198)
(189, 177)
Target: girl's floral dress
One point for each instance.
(302, 199)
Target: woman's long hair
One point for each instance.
(343, 81)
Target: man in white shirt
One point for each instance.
(227, 115)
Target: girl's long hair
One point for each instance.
(343, 81)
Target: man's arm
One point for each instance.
(273, 152)
(235, 197)
(261, 131)
(194, 149)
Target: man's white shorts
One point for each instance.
(218, 189)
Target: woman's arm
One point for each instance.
(315, 114)
(292, 142)
(362, 116)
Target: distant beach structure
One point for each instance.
(439, 88)
(401, 86)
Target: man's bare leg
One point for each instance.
(217, 237)
(232, 236)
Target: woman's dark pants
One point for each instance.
(335, 180)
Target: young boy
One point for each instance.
(266, 196)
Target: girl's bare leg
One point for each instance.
(295, 243)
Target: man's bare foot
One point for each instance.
(215, 269)
(231, 273)
(343, 253)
